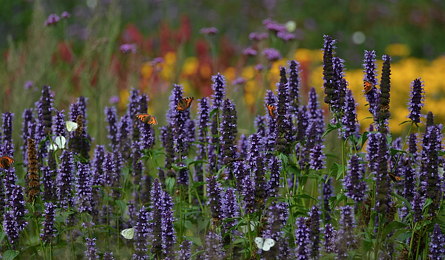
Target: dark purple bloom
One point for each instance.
(353, 183)
(147, 136)
(294, 85)
(349, 122)
(259, 67)
(65, 15)
(249, 51)
(274, 181)
(10, 226)
(243, 145)
(28, 131)
(340, 84)
(128, 48)
(277, 216)
(8, 145)
(383, 184)
(314, 232)
(219, 91)
(168, 230)
(385, 87)
(329, 238)
(228, 131)
(167, 143)
(257, 167)
(230, 210)
(271, 54)
(257, 36)
(52, 19)
(91, 252)
(108, 256)
(49, 185)
(327, 192)
(415, 104)
(215, 198)
(157, 208)
(417, 205)
(302, 123)
(64, 180)
(157, 60)
(185, 250)
(284, 123)
(48, 231)
(111, 118)
(209, 31)
(84, 188)
(346, 238)
(302, 239)
(248, 192)
(328, 70)
(141, 231)
(214, 247)
(59, 126)
(203, 123)
(125, 127)
(437, 244)
(372, 96)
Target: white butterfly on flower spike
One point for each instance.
(128, 233)
(71, 126)
(264, 243)
(59, 142)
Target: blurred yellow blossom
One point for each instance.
(397, 49)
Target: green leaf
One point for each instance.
(10, 254)
(283, 158)
(393, 226)
(170, 184)
(393, 151)
(305, 196)
(404, 122)
(330, 128)
(215, 110)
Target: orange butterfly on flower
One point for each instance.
(368, 86)
(148, 119)
(184, 103)
(271, 109)
(5, 162)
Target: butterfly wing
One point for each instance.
(71, 126)
(268, 243)
(6, 161)
(184, 103)
(259, 241)
(128, 233)
(152, 121)
(368, 86)
(60, 142)
(271, 110)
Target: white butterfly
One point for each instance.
(71, 126)
(128, 233)
(59, 142)
(264, 243)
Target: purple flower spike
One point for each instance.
(437, 244)
(141, 231)
(214, 247)
(272, 54)
(230, 209)
(416, 102)
(48, 231)
(84, 188)
(257, 36)
(346, 238)
(302, 239)
(219, 90)
(349, 119)
(8, 145)
(329, 238)
(250, 51)
(370, 76)
(185, 250)
(91, 252)
(65, 179)
(215, 198)
(353, 183)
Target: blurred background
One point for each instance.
(103, 48)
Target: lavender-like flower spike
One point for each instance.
(302, 239)
(203, 122)
(274, 181)
(302, 123)
(418, 202)
(156, 218)
(91, 252)
(349, 119)
(228, 130)
(385, 87)
(214, 247)
(353, 183)
(185, 250)
(49, 185)
(383, 203)
(328, 69)
(314, 232)
(59, 128)
(44, 111)
(215, 198)
(248, 192)
(284, 124)
(437, 244)
(10, 227)
(219, 90)
(141, 233)
(64, 180)
(340, 86)
(168, 230)
(8, 145)
(329, 238)
(28, 131)
(230, 209)
(294, 85)
(372, 96)
(84, 188)
(111, 117)
(243, 145)
(48, 231)
(327, 193)
(346, 238)
(415, 104)
(256, 162)
(277, 216)
(167, 142)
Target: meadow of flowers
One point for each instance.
(244, 161)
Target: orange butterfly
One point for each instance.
(148, 119)
(184, 103)
(394, 177)
(385, 107)
(5, 162)
(368, 86)
(271, 109)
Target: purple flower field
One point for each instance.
(200, 188)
